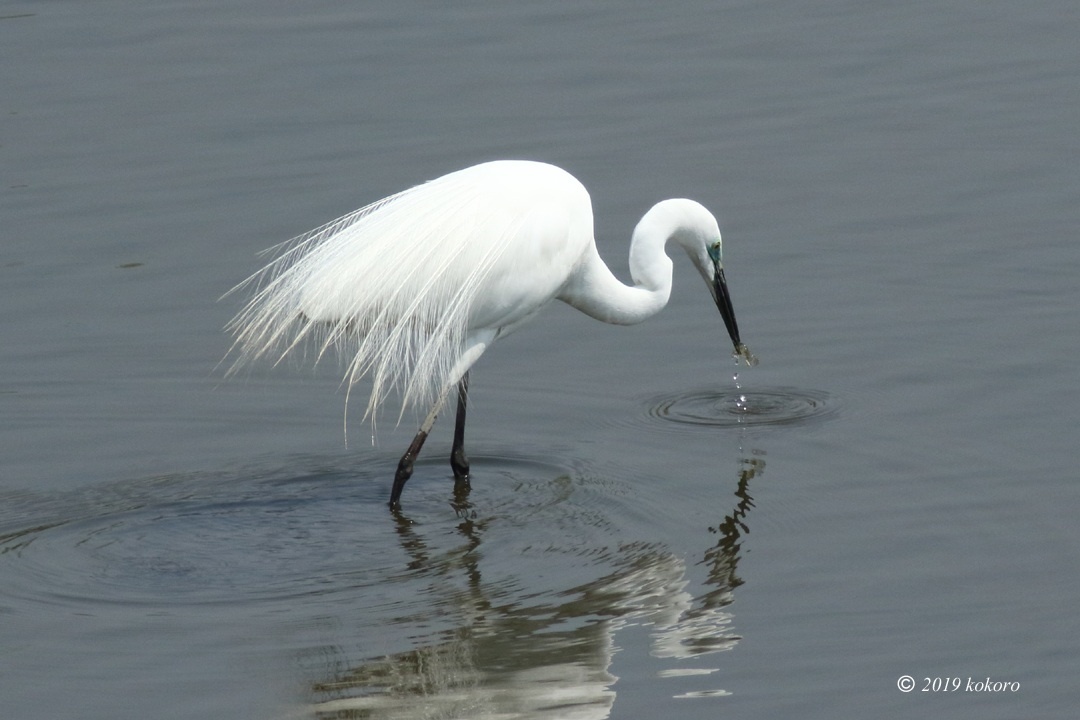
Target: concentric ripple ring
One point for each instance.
(736, 407)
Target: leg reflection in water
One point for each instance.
(491, 649)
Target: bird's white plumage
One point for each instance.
(402, 285)
(413, 288)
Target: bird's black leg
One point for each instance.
(405, 465)
(458, 461)
(405, 468)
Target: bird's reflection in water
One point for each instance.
(549, 658)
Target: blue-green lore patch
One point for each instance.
(714, 251)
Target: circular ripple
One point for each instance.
(187, 540)
(256, 537)
(742, 408)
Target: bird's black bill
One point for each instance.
(723, 302)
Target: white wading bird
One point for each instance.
(415, 287)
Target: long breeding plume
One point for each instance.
(403, 318)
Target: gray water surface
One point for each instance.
(891, 492)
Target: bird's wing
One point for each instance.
(389, 285)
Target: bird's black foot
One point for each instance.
(405, 469)
(460, 465)
(404, 472)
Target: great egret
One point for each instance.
(415, 287)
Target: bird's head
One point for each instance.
(689, 224)
(709, 261)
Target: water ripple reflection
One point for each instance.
(504, 602)
(259, 536)
(543, 651)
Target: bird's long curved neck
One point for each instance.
(596, 291)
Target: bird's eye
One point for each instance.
(714, 251)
